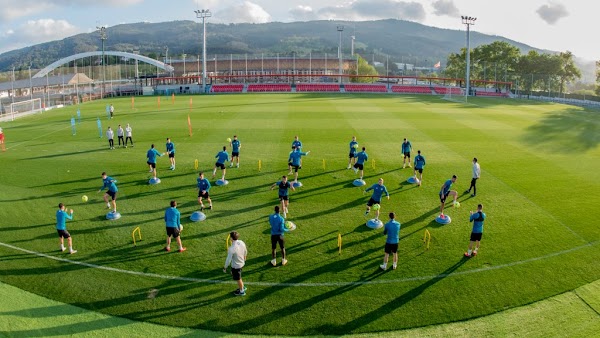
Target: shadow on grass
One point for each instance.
(374, 315)
(62, 329)
(65, 154)
(579, 128)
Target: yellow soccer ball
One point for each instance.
(84, 198)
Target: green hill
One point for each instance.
(394, 38)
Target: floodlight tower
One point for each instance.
(468, 21)
(103, 37)
(340, 29)
(203, 14)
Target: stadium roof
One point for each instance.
(51, 81)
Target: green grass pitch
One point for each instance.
(539, 189)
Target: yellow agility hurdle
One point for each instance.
(133, 235)
(426, 238)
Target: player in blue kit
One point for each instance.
(173, 224)
(203, 187)
(477, 218)
(353, 152)
(360, 162)
(392, 230)
(419, 166)
(283, 185)
(61, 227)
(295, 160)
(406, 148)
(378, 190)
(235, 151)
(221, 157)
(277, 231)
(151, 159)
(445, 192)
(109, 183)
(296, 144)
(171, 152)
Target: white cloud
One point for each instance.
(36, 31)
(12, 9)
(246, 12)
(302, 13)
(445, 7)
(360, 10)
(552, 12)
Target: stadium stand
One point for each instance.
(369, 88)
(227, 88)
(269, 87)
(411, 89)
(446, 90)
(317, 87)
(490, 94)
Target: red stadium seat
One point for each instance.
(227, 88)
(368, 88)
(411, 89)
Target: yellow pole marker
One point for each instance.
(340, 243)
(173, 98)
(159, 102)
(259, 165)
(227, 240)
(324, 164)
(133, 235)
(196, 164)
(373, 163)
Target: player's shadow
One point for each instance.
(341, 207)
(74, 153)
(292, 309)
(61, 195)
(27, 227)
(227, 230)
(354, 324)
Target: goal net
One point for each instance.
(23, 108)
(454, 94)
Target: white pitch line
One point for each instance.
(35, 138)
(319, 284)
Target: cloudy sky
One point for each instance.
(549, 24)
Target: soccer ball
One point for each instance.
(84, 198)
(289, 226)
(180, 227)
(376, 207)
(355, 146)
(456, 204)
(229, 139)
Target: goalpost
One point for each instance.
(24, 108)
(454, 94)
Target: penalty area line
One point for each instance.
(285, 284)
(36, 138)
